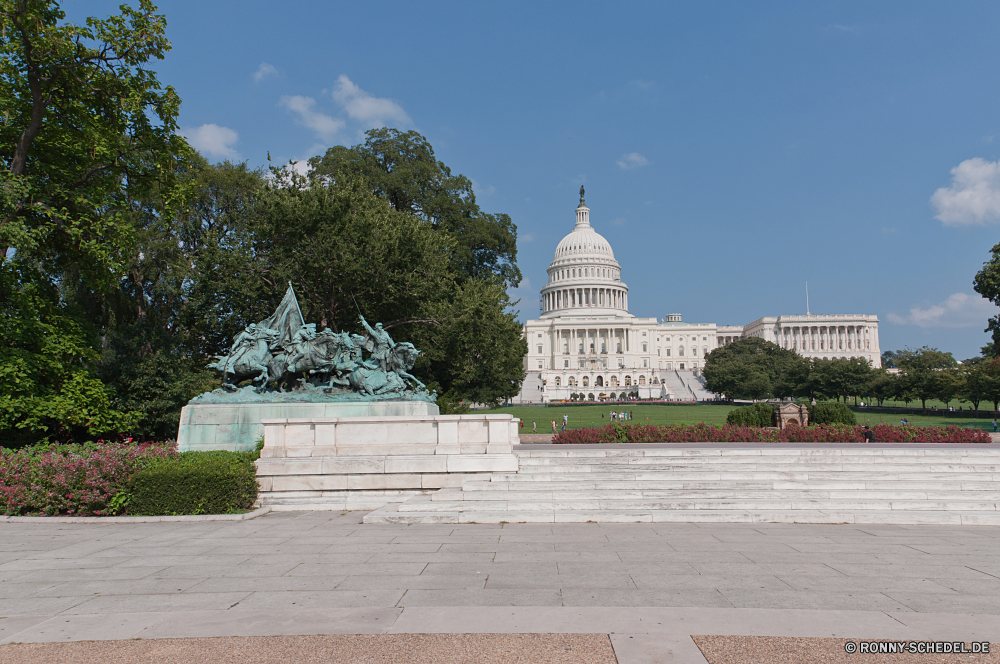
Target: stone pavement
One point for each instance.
(649, 585)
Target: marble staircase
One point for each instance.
(789, 483)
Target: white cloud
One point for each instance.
(481, 190)
(632, 160)
(618, 221)
(324, 126)
(363, 107)
(264, 71)
(958, 310)
(856, 30)
(213, 140)
(527, 237)
(974, 194)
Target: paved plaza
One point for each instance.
(649, 585)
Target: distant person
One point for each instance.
(565, 421)
(994, 425)
(564, 425)
(554, 430)
(534, 427)
(869, 434)
(630, 414)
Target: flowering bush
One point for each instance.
(734, 433)
(77, 480)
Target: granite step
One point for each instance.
(524, 505)
(671, 484)
(682, 466)
(807, 494)
(390, 514)
(806, 485)
(748, 476)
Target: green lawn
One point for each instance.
(591, 416)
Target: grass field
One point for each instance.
(591, 416)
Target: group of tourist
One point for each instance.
(620, 417)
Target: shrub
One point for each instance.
(75, 480)
(730, 433)
(831, 413)
(754, 415)
(216, 482)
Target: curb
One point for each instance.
(135, 519)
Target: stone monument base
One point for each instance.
(363, 463)
(237, 427)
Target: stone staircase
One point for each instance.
(676, 387)
(781, 483)
(696, 384)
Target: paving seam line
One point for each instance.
(135, 519)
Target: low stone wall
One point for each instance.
(343, 463)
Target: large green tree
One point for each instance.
(987, 284)
(88, 129)
(841, 377)
(919, 367)
(401, 168)
(752, 368)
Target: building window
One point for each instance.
(668, 355)
(586, 381)
(539, 365)
(643, 347)
(565, 364)
(539, 350)
(558, 381)
(669, 366)
(680, 351)
(644, 364)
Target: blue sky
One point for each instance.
(731, 151)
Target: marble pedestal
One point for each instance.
(237, 427)
(363, 463)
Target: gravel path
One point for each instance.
(799, 650)
(330, 649)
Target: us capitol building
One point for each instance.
(586, 342)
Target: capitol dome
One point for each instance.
(584, 273)
(584, 241)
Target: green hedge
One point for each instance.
(754, 415)
(215, 482)
(831, 413)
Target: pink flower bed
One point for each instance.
(75, 480)
(732, 433)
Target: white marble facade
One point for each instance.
(586, 341)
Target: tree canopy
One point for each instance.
(751, 368)
(401, 168)
(89, 130)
